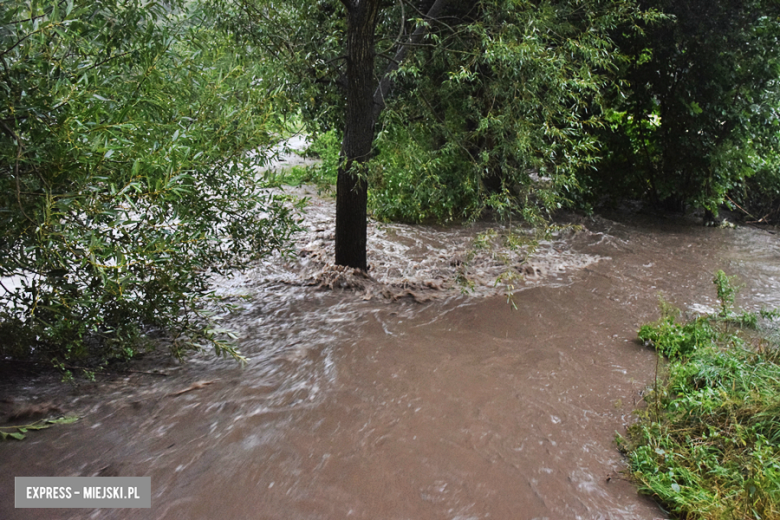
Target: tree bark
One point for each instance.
(351, 185)
(365, 101)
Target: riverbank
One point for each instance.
(707, 445)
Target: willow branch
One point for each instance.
(386, 83)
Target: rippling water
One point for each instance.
(398, 396)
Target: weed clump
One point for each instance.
(708, 444)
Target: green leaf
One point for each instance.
(70, 419)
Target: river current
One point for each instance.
(427, 390)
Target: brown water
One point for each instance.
(365, 404)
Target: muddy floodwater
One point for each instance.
(396, 396)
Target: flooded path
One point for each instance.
(399, 398)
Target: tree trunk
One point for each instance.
(351, 186)
(365, 101)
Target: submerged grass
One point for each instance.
(707, 446)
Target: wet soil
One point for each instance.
(396, 396)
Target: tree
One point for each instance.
(702, 107)
(494, 95)
(124, 177)
(351, 189)
(365, 101)
(497, 115)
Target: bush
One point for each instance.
(495, 115)
(124, 176)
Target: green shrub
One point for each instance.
(124, 177)
(412, 183)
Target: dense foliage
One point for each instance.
(124, 130)
(494, 114)
(708, 444)
(525, 106)
(491, 111)
(124, 176)
(701, 114)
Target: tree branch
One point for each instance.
(19, 149)
(337, 58)
(386, 83)
(389, 58)
(400, 29)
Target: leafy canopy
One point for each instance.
(700, 116)
(490, 111)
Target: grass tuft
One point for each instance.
(707, 446)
